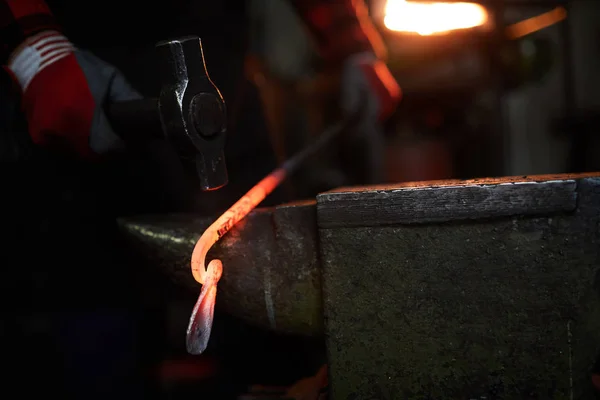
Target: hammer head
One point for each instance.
(192, 110)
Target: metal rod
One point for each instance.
(200, 325)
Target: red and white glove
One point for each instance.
(63, 88)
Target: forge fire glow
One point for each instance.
(431, 18)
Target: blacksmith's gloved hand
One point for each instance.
(368, 88)
(370, 93)
(63, 89)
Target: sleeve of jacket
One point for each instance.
(340, 28)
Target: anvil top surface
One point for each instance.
(459, 183)
(448, 200)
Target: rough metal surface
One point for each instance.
(442, 201)
(270, 269)
(502, 308)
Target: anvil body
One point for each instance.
(430, 290)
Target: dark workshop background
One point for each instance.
(541, 126)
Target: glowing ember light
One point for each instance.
(431, 18)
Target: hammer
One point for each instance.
(189, 113)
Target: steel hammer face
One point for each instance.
(192, 110)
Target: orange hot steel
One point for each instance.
(200, 324)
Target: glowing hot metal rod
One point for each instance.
(201, 320)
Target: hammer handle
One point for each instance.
(135, 119)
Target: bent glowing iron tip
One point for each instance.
(201, 320)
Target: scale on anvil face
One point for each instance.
(425, 287)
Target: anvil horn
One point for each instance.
(271, 275)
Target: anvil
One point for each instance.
(485, 288)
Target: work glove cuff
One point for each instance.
(22, 19)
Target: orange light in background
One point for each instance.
(534, 24)
(432, 18)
